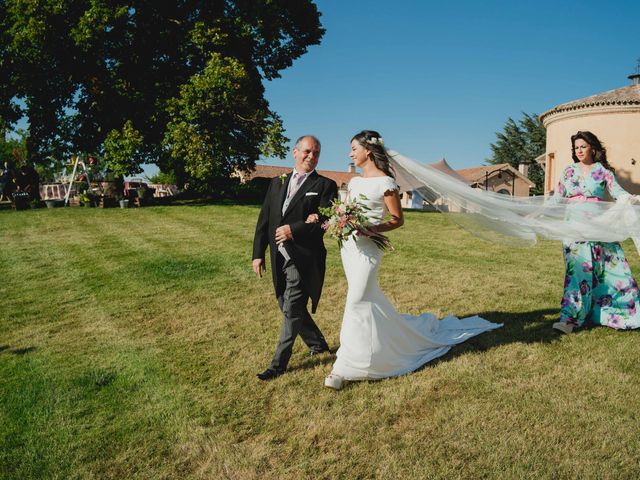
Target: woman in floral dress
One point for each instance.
(599, 288)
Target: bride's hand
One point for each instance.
(312, 218)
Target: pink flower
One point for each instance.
(568, 173)
(587, 267)
(615, 320)
(620, 286)
(608, 178)
(631, 306)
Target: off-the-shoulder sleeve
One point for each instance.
(389, 184)
(350, 188)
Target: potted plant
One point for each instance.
(88, 198)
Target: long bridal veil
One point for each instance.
(521, 220)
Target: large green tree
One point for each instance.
(521, 142)
(177, 83)
(9, 113)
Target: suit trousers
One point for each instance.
(296, 319)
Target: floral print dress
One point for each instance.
(599, 288)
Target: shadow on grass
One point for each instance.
(201, 202)
(17, 351)
(523, 327)
(23, 351)
(520, 327)
(312, 362)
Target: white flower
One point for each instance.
(283, 178)
(376, 141)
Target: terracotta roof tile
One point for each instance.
(474, 173)
(270, 171)
(478, 174)
(629, 95)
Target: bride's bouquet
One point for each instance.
(349, 219)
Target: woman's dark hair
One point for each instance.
(599, 152)
(372, 141)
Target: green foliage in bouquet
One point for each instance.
(348, 219)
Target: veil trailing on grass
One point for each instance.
(521, 220)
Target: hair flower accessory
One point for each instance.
(376, 141)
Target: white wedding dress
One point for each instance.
(375, 340)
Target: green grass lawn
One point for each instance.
(130, 340)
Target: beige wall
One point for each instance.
(617, 127)
(496, 184)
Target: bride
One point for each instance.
(375, 340)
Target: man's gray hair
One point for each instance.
(312, 137)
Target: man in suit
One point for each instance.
(297, 250)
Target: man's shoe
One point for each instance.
(564, 327)
(269, 374)
(313, 352)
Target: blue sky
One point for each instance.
(439, 79)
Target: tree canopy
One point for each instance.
(178, 84)
(521, 142)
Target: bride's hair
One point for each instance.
(372, 141)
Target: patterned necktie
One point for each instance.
(295, 185)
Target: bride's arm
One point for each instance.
(392, 202)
